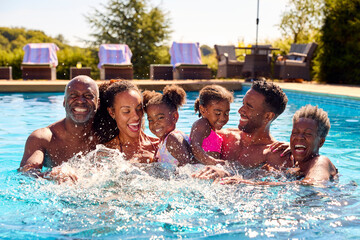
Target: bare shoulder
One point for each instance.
(174, 138)
(229, 133)
(322, 169)
(200, 124)
(200, 130)
(41, 134)
(47, 133)
(325, 163)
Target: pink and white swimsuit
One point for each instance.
(163, 155)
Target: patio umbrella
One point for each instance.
(257, 23)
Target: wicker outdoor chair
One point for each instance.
(297, 64)
(228, 65)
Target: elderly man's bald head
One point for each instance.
(81, 99)
(83, 79)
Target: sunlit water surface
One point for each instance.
(114, 199)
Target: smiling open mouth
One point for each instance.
(300, 148)
(134, 126)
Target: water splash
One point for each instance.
(116, 199)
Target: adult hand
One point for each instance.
(269, 168)
(211, 172)
(62, 174)
(232, 180)
(280, 146)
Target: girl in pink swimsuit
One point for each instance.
(162, 114)
(213, 106)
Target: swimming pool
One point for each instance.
(123, 201)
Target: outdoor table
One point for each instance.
(256, 64)
(74, 71)
(6, 73)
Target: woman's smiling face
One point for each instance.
(128, 112)
(305, 140)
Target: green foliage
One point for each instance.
(12, 41)
(70, 56)
(134, 23)
(206, 50)
(339, 58)
(302, 20)
(212, 62)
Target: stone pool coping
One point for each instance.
(188, 85)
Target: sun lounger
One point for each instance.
(40, 61)
(186, 60)
(115, 62)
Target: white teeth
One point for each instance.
(244, 120)
(80, 109)
(134, 124)
(300, 146)
(157, 130)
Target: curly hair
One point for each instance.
(275, 98)
(317, 114)
(104, 125)
(212, 93)
(173, 96)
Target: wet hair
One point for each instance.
(173, 97)
(104, 125)
(212, 93)
(317, 114)
(275, 98)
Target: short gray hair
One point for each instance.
(317, 114)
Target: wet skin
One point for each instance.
(128, 112)
(60, 141)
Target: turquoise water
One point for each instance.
(115, 200)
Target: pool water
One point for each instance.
(116, 200)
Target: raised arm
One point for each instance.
(199, 131)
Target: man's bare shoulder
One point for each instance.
(229, 132)
(47, 133)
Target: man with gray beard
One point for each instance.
(248, 145)
(57, 143)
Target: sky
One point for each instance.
(205, 21)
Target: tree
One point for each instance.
(12, 41)
(339, 59)
(132, 22)
(302, 20)
(206, 50)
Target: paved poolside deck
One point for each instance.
(188, 85)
